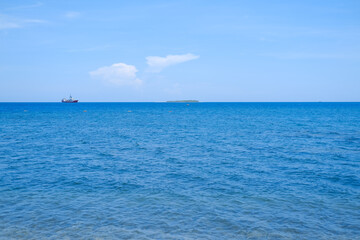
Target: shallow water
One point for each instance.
(179, 171)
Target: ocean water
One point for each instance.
(180, 171)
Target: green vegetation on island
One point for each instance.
(183, 101)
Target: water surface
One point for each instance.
(180, 171)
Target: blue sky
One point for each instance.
(255, 50)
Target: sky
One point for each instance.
(159, 50)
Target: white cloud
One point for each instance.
(35, 5)
(118, 74)
(72, 15)
(34, 21)
(156, 64)
(8, 22)
(7, 25)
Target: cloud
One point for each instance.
(118, 74)
(8, 22)
(35, 5)
(34, 21)
(7, 25)
(72, 15)
(157, 64)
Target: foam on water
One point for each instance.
(179, 171)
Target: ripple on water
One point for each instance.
(205, 171)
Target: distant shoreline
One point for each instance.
(175, 101)
(183, 101)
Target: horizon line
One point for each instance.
(192, 102)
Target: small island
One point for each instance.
(183, 101)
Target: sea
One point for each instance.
(180, 171)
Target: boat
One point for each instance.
(70, 100)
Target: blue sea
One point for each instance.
(180, 171)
